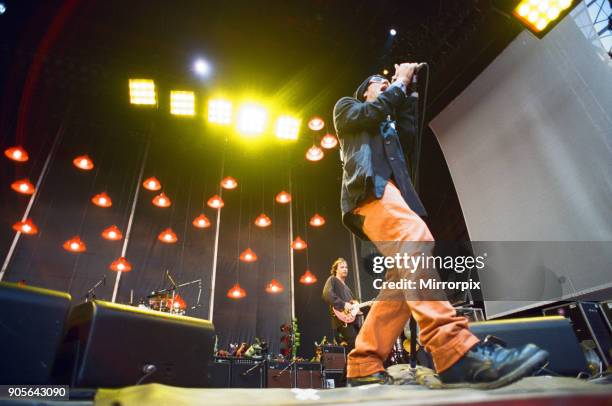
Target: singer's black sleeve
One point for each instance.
(350, 114)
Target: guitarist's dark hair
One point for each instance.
(334, 267)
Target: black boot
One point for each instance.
(381, 377)
(489, 365)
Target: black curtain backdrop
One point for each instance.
(187, 157)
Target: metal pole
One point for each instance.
(291, 266)
(131, 219)
(213, 278)
(356, 265)
(43, 173)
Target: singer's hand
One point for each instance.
(404, 72)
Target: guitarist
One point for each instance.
(340, 297)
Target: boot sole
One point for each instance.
(537, 361)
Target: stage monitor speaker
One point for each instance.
(248, 373)
(308, 375)
(553, 334)
(333, 379)
(589, 325)
(32, 324)
(112, 345)
(333, 357)
(280, 375)
(606, 311)
(220, 372)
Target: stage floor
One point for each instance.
(541, 390)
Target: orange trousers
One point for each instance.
(444, 334)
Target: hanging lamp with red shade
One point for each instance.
(317, 220)
(263, 220)
(161, 200)
(26, 227)
(75, 244)
(299, 244)
(308, 278)
(201, 221)
(83, 162)
(23, 186)
(152, 184)
(236, 292)
(329, 141)
(283, 197)
(248, 255)
(17, 154)
(121, 264)
(102, 200)
(274, 287)
(215, 202)
(112, 233)
(168, 236)
(229, 183)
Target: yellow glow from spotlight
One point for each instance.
(553, 13)
(539, 14)
(142, 91)
(541, 24)
(220, 111)
(287, 128)
(252, 119)
(182, 103)
(523, 10)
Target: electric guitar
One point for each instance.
(348, 315)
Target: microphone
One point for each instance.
(420, 65)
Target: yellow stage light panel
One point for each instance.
(540, 16)
(220, 111)
(142, 91)
(182, 103)
(287, 128)
(252, 119)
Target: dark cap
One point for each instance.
(364, 86)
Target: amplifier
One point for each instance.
(248, 373)
(112, 345)
(308, 375)
(333, 379)
(588, 324)
(220, 372)
(606, 311)
(32, 324)
(333, 357)
(553, 334)
(280, 375)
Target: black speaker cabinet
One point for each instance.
(333, 379)
(220, 372)
(248, 373)
(553, 334)
(280, 375)
(308, 375)
(31, 327)
(333, 357)
(112, 345)
(589, 324)
(606, 311)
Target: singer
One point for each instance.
(379, 203)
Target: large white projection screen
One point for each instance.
(528, 145)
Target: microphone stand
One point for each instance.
(91, 293)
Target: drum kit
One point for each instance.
(168, 300)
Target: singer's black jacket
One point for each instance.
(371, 135)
